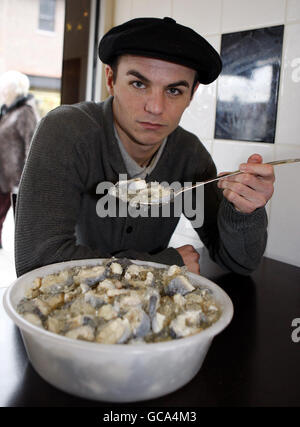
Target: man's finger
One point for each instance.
(253, 181)
(222, 173)
(239, 202)
(257, 198)
(255, 158)
(261, 169)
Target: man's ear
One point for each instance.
(109, 79)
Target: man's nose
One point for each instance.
(155, 103)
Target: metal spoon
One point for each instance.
(172, 193)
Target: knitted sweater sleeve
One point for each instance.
(235, 240)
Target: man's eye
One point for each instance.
(137, 84)
(174, 91)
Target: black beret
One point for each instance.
(163, 39)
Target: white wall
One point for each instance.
(211, 19)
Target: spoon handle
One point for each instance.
(275, 162)
(281, 162)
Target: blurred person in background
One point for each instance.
(18, 119)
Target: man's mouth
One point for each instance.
(150, 125)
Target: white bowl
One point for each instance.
(119, 372)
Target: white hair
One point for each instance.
(12, 85)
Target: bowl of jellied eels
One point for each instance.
(117, 330)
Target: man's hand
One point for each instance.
(252, 189)
(190, 258)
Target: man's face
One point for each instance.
(150, 96)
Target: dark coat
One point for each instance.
(17, 125)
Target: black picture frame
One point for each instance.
(248, 86)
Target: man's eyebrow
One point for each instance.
(138, 75)
(145, 80)
(179, 83)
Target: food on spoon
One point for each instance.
(138, 191)
(119, 302)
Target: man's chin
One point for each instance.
(149, 143)
(148, 140)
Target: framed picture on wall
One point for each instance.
(248, 85)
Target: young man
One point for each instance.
(153, 68)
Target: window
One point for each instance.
(47, 15)
(38, 53)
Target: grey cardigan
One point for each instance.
(73, 150)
